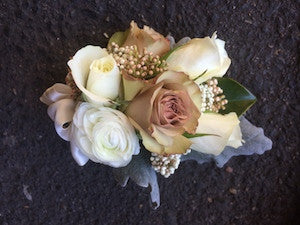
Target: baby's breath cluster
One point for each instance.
(144, 66)
(76, 93)
(165, 165)
(212, 96)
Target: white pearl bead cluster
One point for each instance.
(165, 165)
(207, 97)
(212, 96)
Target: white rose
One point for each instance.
(96, 74)
(225, 129)
(104, 135)
(200, 56)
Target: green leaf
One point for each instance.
(138, 135)
(121, 104)
(118, 37)
(187, 135)
(83, 97)
(239, 98)
(165, 56)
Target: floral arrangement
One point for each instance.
(145, 103)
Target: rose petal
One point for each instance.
(179, 146)
(235, 139)
(150, 143)
(161, 137)
(131, 86)
(171, 77)
(180, 81)
(221, 126)
(137, 110)
(104, 78)
(147, 38)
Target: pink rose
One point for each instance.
(147, 38)
(164, 111)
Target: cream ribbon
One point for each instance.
(61, 110)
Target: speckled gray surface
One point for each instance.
(36, 40)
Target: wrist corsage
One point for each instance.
(144, 104)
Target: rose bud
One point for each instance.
(96, 74)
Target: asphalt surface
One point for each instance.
(40, 183)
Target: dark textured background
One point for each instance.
(36, 40)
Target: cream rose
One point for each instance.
(225, 129)
(104, 135)
(201, 56)
(96, 74)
